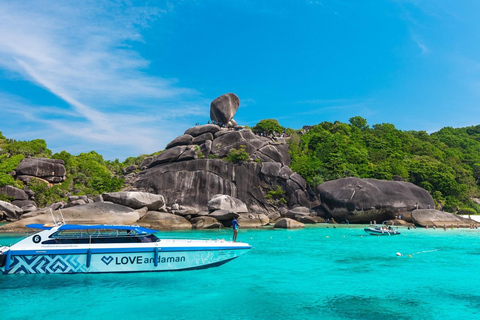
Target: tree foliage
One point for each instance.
(446, 163)
(267, 127)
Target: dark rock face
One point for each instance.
(195, 182)
(365, 200)
(17, 194)
(177, 153)
(51, 170)
(223, 108)
(182, 140)
(199, 130)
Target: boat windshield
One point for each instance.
(99, 236)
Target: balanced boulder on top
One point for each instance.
(223, 108)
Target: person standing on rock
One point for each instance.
(235, 226)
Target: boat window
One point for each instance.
(98, 236)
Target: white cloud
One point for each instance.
(81, 52)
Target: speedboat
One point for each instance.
(65, 248)
(381, 231)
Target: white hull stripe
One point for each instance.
(119, 250)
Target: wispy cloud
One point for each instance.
(81, 52)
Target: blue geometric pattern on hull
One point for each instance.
(47, 264)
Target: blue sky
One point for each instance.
(125, 78)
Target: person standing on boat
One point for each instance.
(235, 226)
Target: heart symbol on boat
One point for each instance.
(107, 260)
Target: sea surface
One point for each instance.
(313, 273)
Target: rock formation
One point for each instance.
(51, 170)
(92, 213)
(194, 168)
(432, 217)
(364, 200)
(287, 223)
(223, 108)
(135, 200)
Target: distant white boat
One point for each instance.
(64, 248)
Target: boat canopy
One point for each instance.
(137, 229)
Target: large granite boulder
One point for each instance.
(223, 108)
(287, 223)
(200, 130)
(178, 153)
(297, 211)
(252, 220)
(91, 213)
(135, 199)
(52, 170)
(182, 140)
(432, 217)
(205, 222)
(9, 211)
(364, 200)
(223, 215)
(164, 221)
(15, 193)
(225, 202)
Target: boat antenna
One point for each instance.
(61, 214)
(53, 217)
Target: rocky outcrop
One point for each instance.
(182, 140)
(297, 212)
(135, 200)
(223, 108)
(164, 221)
(287, 223)
(432, 217)
(224, 202)
(205, 222)
(9, 211)
(364, 200)
(13, 192)
(92, 213)
(193, 183)
(51, 170)
(252, 220)
(193, 168)
(223, 215)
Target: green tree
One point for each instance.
(268, 126)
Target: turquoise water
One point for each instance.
(314, 273)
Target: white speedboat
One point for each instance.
(381, 231)
(64, 248)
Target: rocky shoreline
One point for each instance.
(218, 171)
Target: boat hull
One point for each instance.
(90, 261)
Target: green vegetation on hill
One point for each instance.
(446, 163)
(87, 173)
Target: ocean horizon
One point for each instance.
(319, 272)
